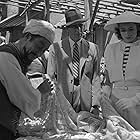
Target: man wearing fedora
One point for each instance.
(75, 71)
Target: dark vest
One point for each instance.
(9, 113)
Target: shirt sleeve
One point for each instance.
(36, 66)
(18, 87)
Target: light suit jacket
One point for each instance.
(60, 62)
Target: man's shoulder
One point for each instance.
(66, 39)
(7, 58)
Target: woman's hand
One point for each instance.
(126, 103)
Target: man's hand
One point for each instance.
(45, 87)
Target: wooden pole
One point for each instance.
(88, 12)
(94, 14)
(47, 10)
(29, 6)
(90, 34)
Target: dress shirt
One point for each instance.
(72, 45)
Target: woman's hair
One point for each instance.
(118, 34)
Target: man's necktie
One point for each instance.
(76, 61)
(125, 59)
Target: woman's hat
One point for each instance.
(74, 17)
(125, 17)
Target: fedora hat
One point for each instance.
(73, 16)
(125, 17)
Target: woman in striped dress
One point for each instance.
(123, 66)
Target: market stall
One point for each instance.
(56, 120)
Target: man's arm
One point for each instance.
(18, 87)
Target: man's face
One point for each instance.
(36, 47)
(75, 32)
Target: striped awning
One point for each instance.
(16, 20)
(107, 9)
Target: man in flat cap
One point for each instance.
(73, 62)
(16, 91)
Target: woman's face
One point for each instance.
(128, 32)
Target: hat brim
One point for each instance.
(124, 18)
(113, 26)
(75, 22)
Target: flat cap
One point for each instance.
(42, 28)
